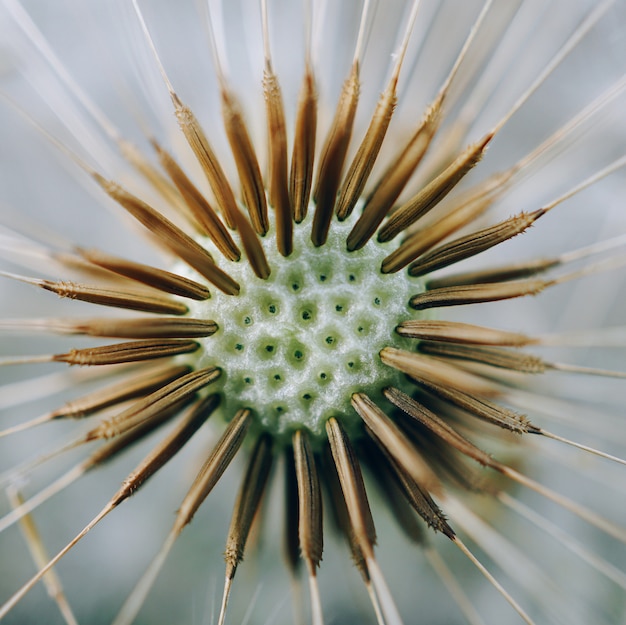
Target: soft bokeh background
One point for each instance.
(41, 192)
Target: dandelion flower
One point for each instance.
(290, 234)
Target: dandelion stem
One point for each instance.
(591, 450)
(493, 581)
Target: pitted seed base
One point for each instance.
(295, 347)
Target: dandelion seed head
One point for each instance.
(296, 346)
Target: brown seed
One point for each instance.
(303, 155)
(246, 161)
(435, 191)
(395, 442)
(134, 351)
(310, 502)
(456, 332)
(210, 164)
(477, 293)
(472, 244)
(151, 276)
(333, 157)
(118, 298)
(277, 146)
(353, 488)
(203, 213)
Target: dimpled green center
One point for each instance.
(295, 347)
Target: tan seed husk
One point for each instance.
(151, 276)
(425, 238)
(333, 157)
(493, 356)
(435, 191)
(484, 409)
(277, 145)
(132, 386)
(144, 327)
(474, 243)
(159, 182)
(154, 404)
(168, 447)
(214, 467)
(246, 161)
(340, 513)
(124, 328)
(477, 293)
(310, 502)
(292, 504)
(171, 236)
(436, 425)
(395, 178)
(248, 500)
(502, 273)
(210, 164)
(363, 162)
(203, 213)
(424, 368)
(456, 332)
(418, 498)
(303, 154)
(133, 351)
(395, 442)
(353, 488)
(252, 246)
(118, 298)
